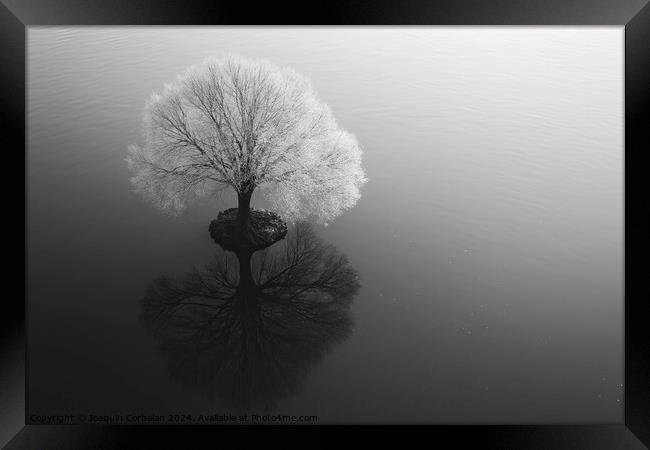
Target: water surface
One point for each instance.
(488, 240)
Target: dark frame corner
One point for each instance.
(634, 15)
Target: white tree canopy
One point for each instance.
(246, 123)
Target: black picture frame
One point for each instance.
(634, 15)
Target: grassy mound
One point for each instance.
(265, 229)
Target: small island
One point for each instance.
(264, 229)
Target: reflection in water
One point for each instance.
(247, 329)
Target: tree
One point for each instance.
(247, 328)
(243, 123)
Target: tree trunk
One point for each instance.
(243, 212)
(245, 274)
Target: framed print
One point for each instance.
(421, 217)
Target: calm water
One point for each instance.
(488, 241)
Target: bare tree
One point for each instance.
(243, 123)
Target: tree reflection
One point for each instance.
(247, 328)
